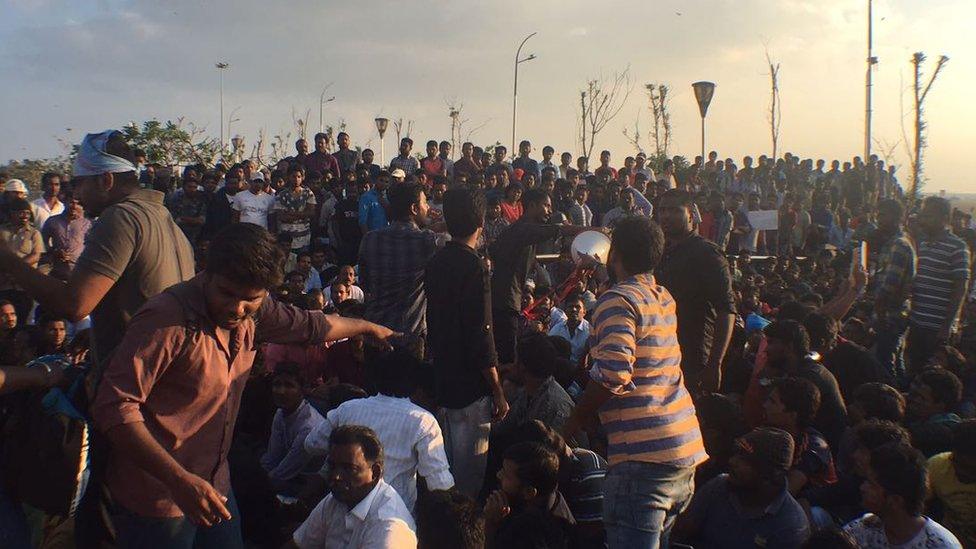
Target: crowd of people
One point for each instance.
(327, 352)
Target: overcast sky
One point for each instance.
(71, 67)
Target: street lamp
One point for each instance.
(518, 61)
(381, 125)
(703, 94)
(323, 101)
(237, 144)
(221, 67)
(872, 60)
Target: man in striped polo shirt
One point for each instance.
(940, 285)
(637, 387)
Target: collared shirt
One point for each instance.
(550, 404)
(577, 340)
(182, 375)
(943, 261)
(460, 338)
(869, 531)
(285, 457)
(137, 244)
(409, 165)
(371, 212)
(347, 160)
(697, 274)
(466, 167)
(61, 234)
(391, 267)
(411, 438)
(181, 205)
(636, 356)
(379, 521)
(23, 240)
(528, 165)
(43, 212)
(493, 228)
(725, 522)
(322, 162)
(895, 273)
(581, 215)
(582, 485)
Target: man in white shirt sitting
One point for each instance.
(575, 329)
(411, 436)
(362, 511)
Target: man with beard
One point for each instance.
(321, 161)
(347, 158)
(697, 274)
(64, 236)
(169, 398)
(220, 212)
(750, 506)
(513, 254)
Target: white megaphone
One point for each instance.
(590, 248)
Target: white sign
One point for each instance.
(764, 220)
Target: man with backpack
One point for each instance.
(169, 397)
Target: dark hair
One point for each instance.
(406, 140)
(721, 413)
(246, 254)
(822, 330)
(946, 387)
(638, 243)
(464, 211)
(343, 392)
(448, 519)
(880, 401)
(891, 206)
(534, 196)
(47, 177)
(800, 396)
(536, 355)
(875, 433)
(679, 197)
(964, 438)
(320, 135)
(900, 470)
(289, 369)
(116, 145)
(365, 437)
(536, 466)
(395, 373)
(537, 431)
(792, 332)
(794, 310)
(563, 348)
(943, 206)
(19, 205)
(432, 142)
(402, 197)
(294, 168)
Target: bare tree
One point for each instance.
(921, 92)
(301, 124)
(399, 128)
(775, 115)
(600, 103)
(657, 95)
(635, 138)
(454, 109)
(887, 149)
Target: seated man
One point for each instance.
(930, 413)
(751, 505)
(528, 502)
(362, 511)
(411, 436)
(574, 329)
(581, 474)
(285, 459)
(539, 396)
(953, 478)
(791, 406)
(894, 495)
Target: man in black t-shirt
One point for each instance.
(513, 254)
(345, 225)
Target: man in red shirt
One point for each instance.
(169, 398)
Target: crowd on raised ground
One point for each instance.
(328, 352)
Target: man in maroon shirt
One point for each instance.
(169, 397)
(321, 161)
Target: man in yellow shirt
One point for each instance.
(953, 479)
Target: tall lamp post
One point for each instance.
(872, 60)
(518, 61)
(381, 125)
(221, 67)
(703, 94)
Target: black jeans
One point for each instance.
(506, 325)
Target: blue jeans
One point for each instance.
(642, 500)
(889, 347)
(138, 532)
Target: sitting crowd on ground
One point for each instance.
(326, 352)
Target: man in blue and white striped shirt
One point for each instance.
(940, 282)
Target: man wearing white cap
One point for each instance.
(254, 205)
(134, 251)
(13, 189)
